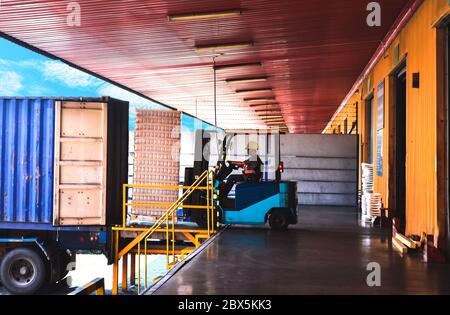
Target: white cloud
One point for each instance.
(38, 90)
(23, 66)
(11, 83)
(55, 70)
(28, 63)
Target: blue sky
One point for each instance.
(26, 73)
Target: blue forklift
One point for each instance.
(256, 201)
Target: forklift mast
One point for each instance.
(201, 164)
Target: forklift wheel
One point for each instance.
(278, 220)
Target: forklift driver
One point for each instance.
(252, 169)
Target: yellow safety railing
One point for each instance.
(166, 225)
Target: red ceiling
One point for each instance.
(312, 51)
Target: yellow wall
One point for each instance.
(349, 113)
(417, 43)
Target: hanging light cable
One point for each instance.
(215, 97)
(215, 91)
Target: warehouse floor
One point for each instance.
(326, 253)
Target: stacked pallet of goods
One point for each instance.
(370, 202)
(156, 163)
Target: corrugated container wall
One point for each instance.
(26, 169)
(63, 162)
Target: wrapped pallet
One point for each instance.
(367, 191)
(156, 162)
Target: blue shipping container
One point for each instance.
(27, 129)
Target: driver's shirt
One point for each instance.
(252, 169)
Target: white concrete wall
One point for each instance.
(324, 166)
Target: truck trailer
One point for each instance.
(63, 164)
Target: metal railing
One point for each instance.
(97, 285)
(165, 225)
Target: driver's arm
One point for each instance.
(237, 163)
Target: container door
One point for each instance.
(80, 163)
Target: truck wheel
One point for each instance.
(278, 220)
(22, 271)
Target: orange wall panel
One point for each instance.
(417, 42)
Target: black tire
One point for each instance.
(278, 220)
(23, 271)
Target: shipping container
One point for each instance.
(63, 164)
(27, 132)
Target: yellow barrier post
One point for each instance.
(167, 243)
(139, 267)
(115, 289)
(213, 212)
(207, 204)
(145, 262)
(172, 235)
(124, 205)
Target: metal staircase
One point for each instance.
(163, 229)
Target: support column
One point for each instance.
(115, 289)
(125, 273)
(115, 284)
(132, 269)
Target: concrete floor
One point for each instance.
(326, 253)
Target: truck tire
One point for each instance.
(278, 220)
(22, 271)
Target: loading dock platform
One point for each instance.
(327, 252)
